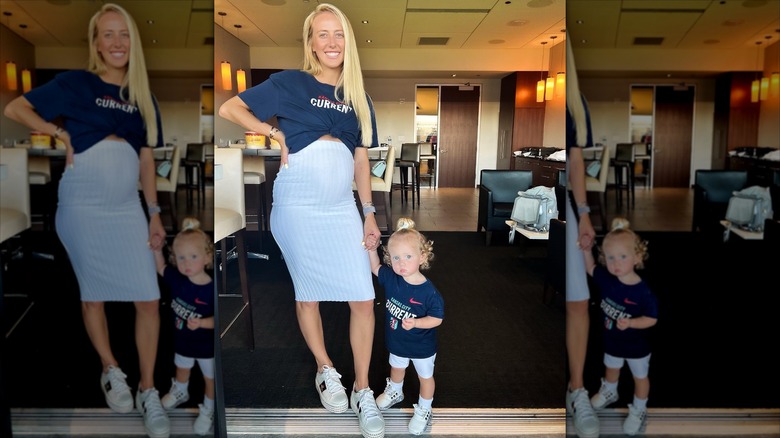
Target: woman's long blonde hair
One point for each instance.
(350, 82)
(573, 97)
(135, 87)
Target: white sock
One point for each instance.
(182, 386)
(207, 402)
(640, 403)
(399, 387)
(423, 403)
(610, 385)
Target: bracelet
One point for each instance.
(58, 132)
(274, 130)
(154, 209)
(370, 209)
(583, 209)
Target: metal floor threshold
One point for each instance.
(94, 423)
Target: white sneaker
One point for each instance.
(118, 396)
(332, 393)
(205, 421)
(420, 420)
(174, 397)
(635, 420)
(156, 420)
(389, 397)
(604, 397)
(372, 425)
(586, 423)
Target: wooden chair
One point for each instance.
(230, 220)
(195, 167)
(598, 186)
(383, 186)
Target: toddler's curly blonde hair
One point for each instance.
(405, 230)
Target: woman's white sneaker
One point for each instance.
(118, 396)
(372, 425)
(156, 421)
(332, 393)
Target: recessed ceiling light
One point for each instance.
(583, 41)
(453, 75)
(369, 41)
(580, 21)
(517, 23)
(149, 21)
(364, 21)
(154, 41)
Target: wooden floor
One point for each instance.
(455, 209)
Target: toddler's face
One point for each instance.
(191, 257)
(405, 256)
(620, 255)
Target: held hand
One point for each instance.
(586, 233)
(408, 323)
(156, 232)
(623, 323)
(371, 234)
(193, 323)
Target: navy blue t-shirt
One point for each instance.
(620, 300)
(306, 110)
(190, 300)
(404, 300)
(91, 110)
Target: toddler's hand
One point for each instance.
(193, 323)
(408, 323)
(623, 323)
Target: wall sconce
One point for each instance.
(227, 80)
(774, 83)
(26, 81)
(550, 88)
(560, 83)
(763, 88)
(10, 73)
(754, 89)
(241, 79)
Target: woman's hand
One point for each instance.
(156, 232)
(371, 234)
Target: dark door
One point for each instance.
(458, 122)
(673, 136)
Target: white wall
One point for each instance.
(228, 48)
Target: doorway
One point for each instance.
(458, 129)
(662, 119)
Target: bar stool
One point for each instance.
(195, 161)
(409, 160)
(39, 168)
(624, 160)
(230, 220)
(428, 156)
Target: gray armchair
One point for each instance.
(497, 192)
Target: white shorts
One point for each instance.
(639, 367)
(424, 367)
(206, 364)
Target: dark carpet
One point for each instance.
(715, 343)
(500, 345)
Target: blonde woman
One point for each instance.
(326, 123)
(109, 123)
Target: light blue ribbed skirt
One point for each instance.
(101, 223)
(316, 223)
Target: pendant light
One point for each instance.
(241, 80)
(755, 85)
(26, 80)
(541, 84)
(10, 74)
(227, 80)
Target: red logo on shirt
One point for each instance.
(411, 300)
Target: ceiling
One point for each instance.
(716, 26)
(165, 24)
(405, 25)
